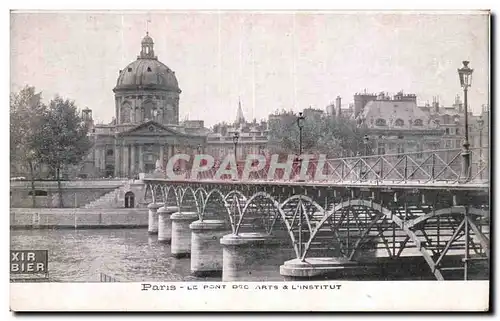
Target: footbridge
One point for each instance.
(363, 212)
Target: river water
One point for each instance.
(123, 254)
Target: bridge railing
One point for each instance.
(444, 165)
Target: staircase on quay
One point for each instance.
(112, 199)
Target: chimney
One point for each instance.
(338, 104)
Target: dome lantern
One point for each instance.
(147, 50)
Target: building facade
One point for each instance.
(395, 124)
(252, 138)
(145, 131)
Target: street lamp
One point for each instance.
(300, 124)
(236, 137)
(480, 123)
(365, 141)
(465, 76)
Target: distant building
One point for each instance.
(146, 126)
(395, 124)
(252, 138)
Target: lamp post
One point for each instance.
(480, 123)
(365, 142)
(300, 124)
(465, 76)
(236, 137)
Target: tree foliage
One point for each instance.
(26, 116)
(63, 139)
(333, 136)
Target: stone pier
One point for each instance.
(165, 223)
(181, 233)
(153, 218)
(251, 256)
(206, 249)
(316, 268)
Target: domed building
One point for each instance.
(146, 126)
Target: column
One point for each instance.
(103, 158)
(165, 223)
(117, 159)
(181, 233)
(97, 161)
(252, 256)
(125, 161)
(141, 160)
(132, 159)
(162, 149)
(206, 250)
(153, 218)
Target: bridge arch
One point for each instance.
(252, 220)
(414, 231)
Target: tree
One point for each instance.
(333, 136)
(26, 115)
(63, 140)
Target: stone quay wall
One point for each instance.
(77, 218)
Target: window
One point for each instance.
(448, 144)
(419, 151)
(418, 122)
(446, 119)
(457, 131)
(399, 122)
(38, 193)
(401, 150)
(381, 149)
(447, 131)
(109, 152)
(458, 143)
(380, 122)
(129, 69)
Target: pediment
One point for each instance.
(151, 128)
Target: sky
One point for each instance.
(268, 60)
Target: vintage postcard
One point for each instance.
(249, 161)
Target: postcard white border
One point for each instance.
(457, 296)
(350, 296)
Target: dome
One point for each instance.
(147, 72)
(147, 39)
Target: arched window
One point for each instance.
(380, 122)
(129, 200)
(399, 122)
(418, 122)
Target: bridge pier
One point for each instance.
(153, 218)
(321, 268)
(181, 233)
(249, 256)
(206, 250)
(165, 223)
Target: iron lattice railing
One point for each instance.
(419, 167)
